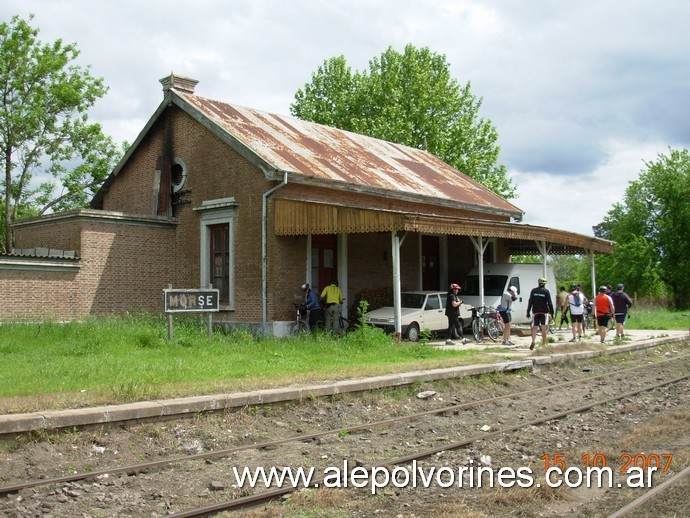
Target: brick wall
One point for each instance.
(42, 290)
(214, 171)
(59, 231)
(126, 266)
(120, 267)
(126, 260)
(38, 295)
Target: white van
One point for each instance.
(498, 277)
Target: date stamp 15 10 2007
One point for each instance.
(626, 461)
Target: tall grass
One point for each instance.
(129, 358)
(657, 319)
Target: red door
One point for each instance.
(324, 261)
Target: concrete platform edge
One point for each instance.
(60, 419)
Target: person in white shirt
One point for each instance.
(504, 310)
(576, 303)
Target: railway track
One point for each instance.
(657, 492)
(453, 427)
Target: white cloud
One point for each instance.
(580, 93)
(579, 201)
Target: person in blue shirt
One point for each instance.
(621, 304)
(311, 301)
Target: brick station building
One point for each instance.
(255, 204)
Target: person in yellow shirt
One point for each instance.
(332, 298)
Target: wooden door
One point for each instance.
(220, 260)
(431, 270)
(324, 261)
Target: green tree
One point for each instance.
(652, 255)
(44, 128)
(565, 268)
(411, 99)
(527, 259)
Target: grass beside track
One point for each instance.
(123, 359)
(658, 319)
(110, 360)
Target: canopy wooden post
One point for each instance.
(594, 273)
(544, 249)
(396, 243)
(480, 248)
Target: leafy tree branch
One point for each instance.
(44, 127)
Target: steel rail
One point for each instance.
(253, 500)
(134, 468)
(650, 494)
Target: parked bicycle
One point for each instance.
(551, 324)
(485, 319)
(301, 324)
(343, 323)
(588, 320)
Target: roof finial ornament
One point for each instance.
(179, 83)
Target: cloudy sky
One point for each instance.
(581, 93)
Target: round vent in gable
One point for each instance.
(178, 174)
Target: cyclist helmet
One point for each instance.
(454, 286)
(305, 287)
(573, 287)
(542, 281)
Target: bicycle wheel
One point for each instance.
(551, 325)
(299, 328)
(344, 325)
(587, 321)
(477, 330)
(495, 330)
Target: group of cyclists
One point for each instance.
(573, 305)
(608, 306)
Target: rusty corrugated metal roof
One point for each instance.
(322, 153)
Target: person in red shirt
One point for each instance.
(603, 307)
